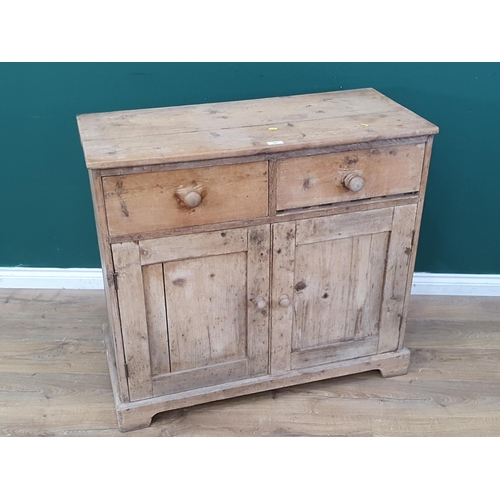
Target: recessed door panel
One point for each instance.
(206, 310)
(338, 290)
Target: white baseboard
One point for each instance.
(456, 284)
(45, 277)
(91, 279)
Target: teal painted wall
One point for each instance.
(45, 204)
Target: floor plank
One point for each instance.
(54, 379)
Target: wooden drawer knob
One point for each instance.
(284, 301)
(354, 182)
(261, 302)
(192, 199)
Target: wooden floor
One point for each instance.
(54, 379)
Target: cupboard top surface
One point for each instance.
(243, 128)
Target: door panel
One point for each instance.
(345, 276)
(398, 257)
(335, 352)
(337, 275)
(283, 274)
(258, 276)
(156, 318)
(206, 310)
(196, 312)
(193, 245)
(344, 225)
(188, 380)
(133, 319)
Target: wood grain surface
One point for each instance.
(318, 180)
(154, 201)
(134, 326)
(54, 378)
(241, 128)
(206, 304)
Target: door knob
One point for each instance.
(261, 302)
(284, 301)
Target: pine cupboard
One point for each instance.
(253, 245)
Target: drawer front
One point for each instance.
(322, 179)
(155, 201)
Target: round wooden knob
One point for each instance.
(284, 301)
(261, 302)
(354, 182)
(192, 199)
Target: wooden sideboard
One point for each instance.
(253, 245)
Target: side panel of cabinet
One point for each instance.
(194, 309)
(345, 276)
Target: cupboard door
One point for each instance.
(338, 286)
(194, 309)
